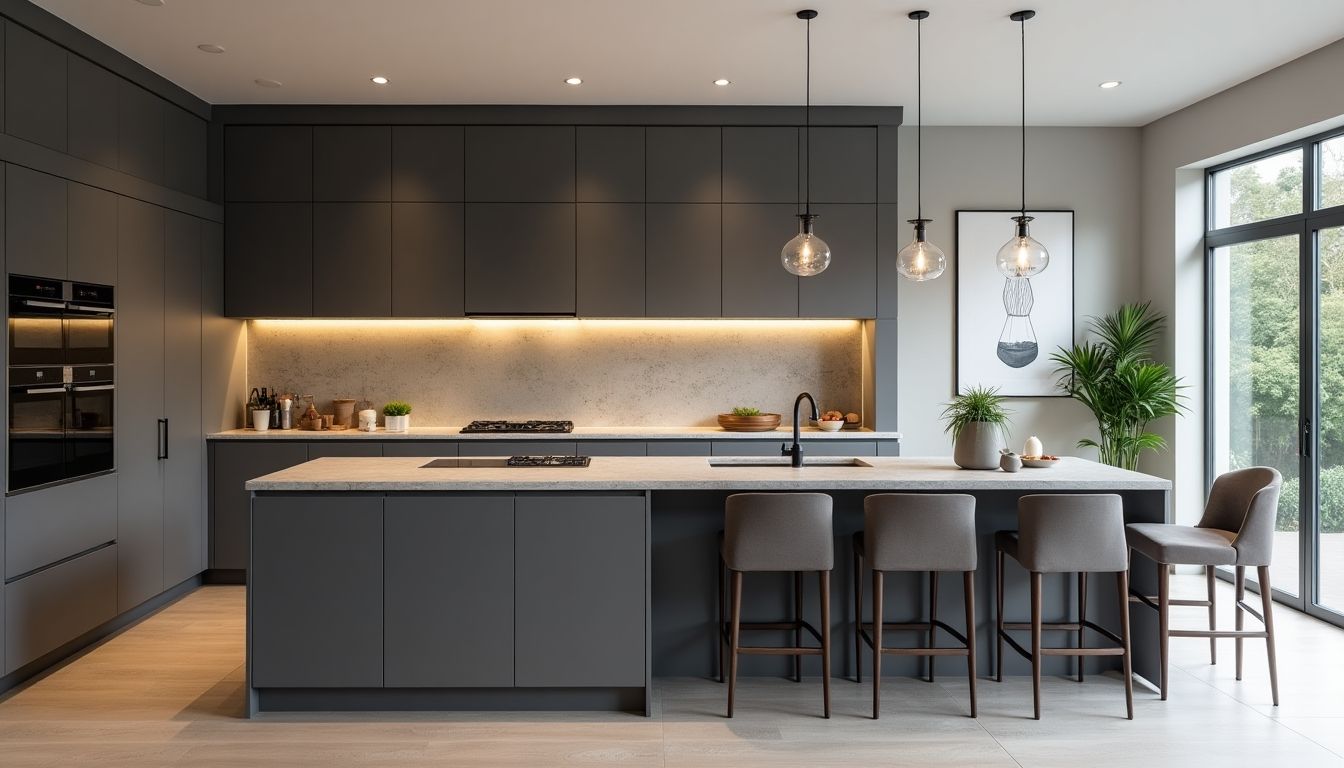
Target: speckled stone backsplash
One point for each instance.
(596, 372)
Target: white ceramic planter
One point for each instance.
(397, 423)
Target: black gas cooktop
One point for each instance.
(519, 426)
(548, 461)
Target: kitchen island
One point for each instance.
(379, 583)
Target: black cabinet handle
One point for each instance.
(163, 439)
(1304, 442)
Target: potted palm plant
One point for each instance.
(1119, 382)
(978, 423)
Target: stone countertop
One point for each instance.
(579, 433)
(389, 474)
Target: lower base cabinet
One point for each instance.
(53, 606)
(233, 463)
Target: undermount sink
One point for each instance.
(784, 461)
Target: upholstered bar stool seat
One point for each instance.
(789, 532)
(915, 532)
(1182, 544)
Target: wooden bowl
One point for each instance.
(762, 423)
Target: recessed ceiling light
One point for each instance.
(379, 79)
(1110, 84)
(154, 3)
(267, 82)
(210, 48)
(723, 81)
(574, 80)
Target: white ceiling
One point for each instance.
(1168, 53)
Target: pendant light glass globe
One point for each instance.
(806, 254)
(1023, 255)
(920, 260)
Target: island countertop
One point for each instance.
(662, 473)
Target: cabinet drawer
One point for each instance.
(612, 448)
(427, 448)
(516, 448)
(52, 607)
(42, 527)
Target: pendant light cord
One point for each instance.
(919, 117)
(1023, 24)
(807, 119)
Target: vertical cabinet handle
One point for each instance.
(163, 439)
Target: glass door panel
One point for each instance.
(1329, 522)
(1256, 379)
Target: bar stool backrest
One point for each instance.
(1072, 533)
(1246, 502)
(778, 532)
(919, 531)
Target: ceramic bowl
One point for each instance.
(1039, 463)
(830, 426)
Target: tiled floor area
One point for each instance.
(169, 692)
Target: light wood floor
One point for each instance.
(168, 691)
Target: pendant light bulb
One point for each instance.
(806, 254)
(920, 260)
(1023, 255)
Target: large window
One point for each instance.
(1275, 368)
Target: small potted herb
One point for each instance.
(979, 425)
(397, 416)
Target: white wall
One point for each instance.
(1093, 171)
(1296, 99)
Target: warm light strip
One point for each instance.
(556, 323)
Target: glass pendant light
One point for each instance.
(806, 254)
(920, 260)
(1023, 255)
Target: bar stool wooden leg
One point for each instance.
(1240, 592)
(858, 617)
(733, 637)
(968, 592)
(998, 617)
(1122, 588)
(826, 640)
(878, 577)
(933, 616)
(1036, 642)
(723, 621)
(1163, 620)
(1267, 605)
(797, 624)
(1082, 616)
(1210, 581)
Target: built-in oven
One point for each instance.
(37, 417)
(88, 421)
(59, 322)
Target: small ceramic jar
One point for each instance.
(1009, 461)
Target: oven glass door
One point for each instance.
(36, 334)
(88, 338)
(36, 435)
(89, 429)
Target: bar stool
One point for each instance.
(1073, 533)
(778, 532)
(915, 532)
(1237, 529)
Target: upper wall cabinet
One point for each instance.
(610, 164)
(183, 151)
(520, 258)
(684, 165)
(268, 260)
(268, 164)
(92, 234)
(93, 112)
(427, 163)
(843, 164)
(760, 165)
(35, 88)
(35, 215)
(352, 163)
(139, 132)
(520, 163)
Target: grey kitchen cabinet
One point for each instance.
(140, 379)
(888, 447)
(427, 163)
(35, 217)
(92, 109)
(52, 607)
(268, 261)
(427, 260)
(678, 447)
(184, 151)
(612, 448)
(580, 617)
(769, 447)
(848, 287)
(352, 259)
(35, 88)
(320, 448)
(233, 463)
(683, 260)
(609, 164)
(843, 164)
(139, 132)
(519, 258)
(516, 448)
(352, 163)
(268, 163)
(426, 448)
(683, 164)
(48, 525)
(760, 164)
(755, 284)
(610, 260)
(448, 591)
(316, 591)
(185, 528)
(825, 447)
(519, 163)
(91, 239)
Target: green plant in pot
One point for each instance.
(1119, 382)
(978, 423)
(397, 416)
